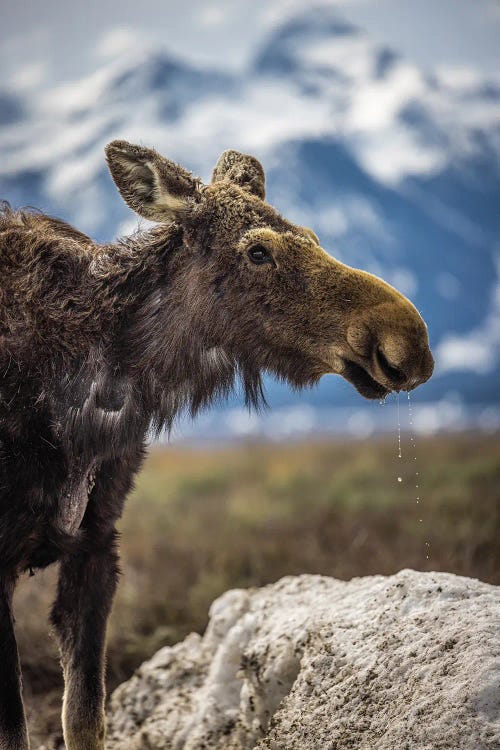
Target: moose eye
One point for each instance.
(259, 254)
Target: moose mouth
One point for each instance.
(363, 381)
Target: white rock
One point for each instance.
(405, 662)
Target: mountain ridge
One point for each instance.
(396, 169)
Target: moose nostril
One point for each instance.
(392, 373)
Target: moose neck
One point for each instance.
(164, 341)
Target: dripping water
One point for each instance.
(413, 447)
(400, 479)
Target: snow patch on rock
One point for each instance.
(405, 661)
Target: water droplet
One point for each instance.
(399, 430)
(414, 446)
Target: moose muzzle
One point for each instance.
(387, 349)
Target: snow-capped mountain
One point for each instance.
(396, 169)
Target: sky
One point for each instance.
(62, 39)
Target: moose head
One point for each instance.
(262, 290)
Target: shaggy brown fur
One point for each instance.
(98, 344)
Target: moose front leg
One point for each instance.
(87, 582)
(13, 734)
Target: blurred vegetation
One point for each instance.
(202, 521)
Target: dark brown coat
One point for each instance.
(101, 344)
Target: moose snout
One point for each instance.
(391, 347)
(401, 364)
(401, 358)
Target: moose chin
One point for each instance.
(99, 344)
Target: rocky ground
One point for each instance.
(408, 661)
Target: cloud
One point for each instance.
(350, 55)
(212, 15)
(394, 152)
(404, 280)
(29, 76)
(478, 350)
(448, 414)
(278, 11)
(448, 285)
(458, 76)
(118, 41)
(466, 353)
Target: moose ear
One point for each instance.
(151, 185)
(242, 169)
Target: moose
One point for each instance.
(101, 346)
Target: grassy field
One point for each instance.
(200, 522)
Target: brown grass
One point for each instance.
(200, 522)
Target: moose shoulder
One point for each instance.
(101, 343)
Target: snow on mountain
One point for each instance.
(395, 168)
